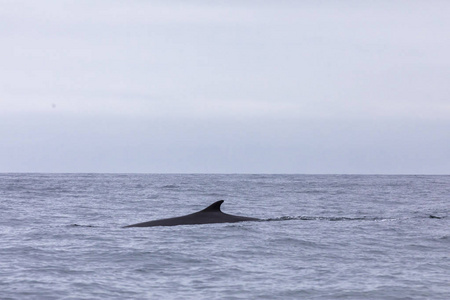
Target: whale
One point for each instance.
(209, 215)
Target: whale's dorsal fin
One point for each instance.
(214, 207)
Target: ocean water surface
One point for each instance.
(320, 237)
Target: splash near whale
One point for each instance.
(209, 215)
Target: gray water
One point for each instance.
(321, 237)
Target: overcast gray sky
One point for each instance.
(225, 86)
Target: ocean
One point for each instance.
(320, 237)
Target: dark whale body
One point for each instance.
(211, 214)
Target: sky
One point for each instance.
(307, 87)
